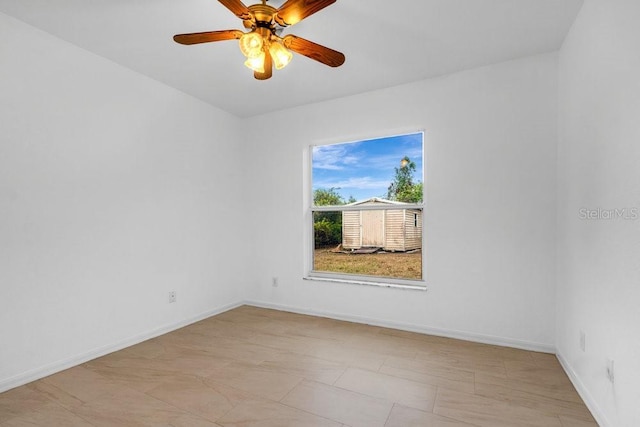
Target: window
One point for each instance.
(366, 208)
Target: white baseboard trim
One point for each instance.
(448, 333)
(591, 403)
(61, 365)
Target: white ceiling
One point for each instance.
(386, 43)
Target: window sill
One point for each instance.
(380, 284)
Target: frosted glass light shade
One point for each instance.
(256, 63)
(281, 56)
(251, 44)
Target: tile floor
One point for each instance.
(256, 367)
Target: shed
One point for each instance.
(390, 229)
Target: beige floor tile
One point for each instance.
(430, 368)
(19, 402)
(256, 322)
(466, 360)
(487, 412)
(51, 415)
(348, 356)
(325, 329)
(188, 362)
(538, 402)
(272, 414)
(129, 408)
(188, 420)
(572, 422)
(386, 345)
(509, 354)
(433, 380)
(55, 394)
(430, 339)
(402, 416)
(353, 409)
(564, 392)
(220, 348)
(297, 344)
(148, 349)
(528, 372)
(546, 360)
(216, 328)
(79, 385)
(399, 390)
(207, 399)
(311, 368)
(255, 380)
(139, 373)
(285, 316)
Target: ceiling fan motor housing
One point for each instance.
(263, 14)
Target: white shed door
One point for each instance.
(372, 225)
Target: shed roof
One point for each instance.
(377, 200)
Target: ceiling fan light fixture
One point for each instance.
(261, 44)
(251, 44)
(281, 56)
(256, 63)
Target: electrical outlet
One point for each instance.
(172, 296)
(583, 341)
(274, 282)
(610, 373)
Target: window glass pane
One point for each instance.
(362, 176)
(385, 168)
(354, 243)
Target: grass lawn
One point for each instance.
(400, 265)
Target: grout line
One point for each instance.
(312, 413)
(435, 401)
(55, 402)
(389, 415)
(302, 379)
(341, 375)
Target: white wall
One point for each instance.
(599, 167)
(110, 190)
(490, 217)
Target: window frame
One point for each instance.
(309, 209)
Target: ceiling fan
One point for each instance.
(262, 44)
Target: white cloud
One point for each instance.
(356, 183)
(333, 157)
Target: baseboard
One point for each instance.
(599, 416)
(61, 365)
(448, 333)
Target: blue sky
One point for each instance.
(364, 169)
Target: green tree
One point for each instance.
(403, 188)
(327, 197)
(327, 226)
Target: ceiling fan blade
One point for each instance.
(312, 50)
(294, 11)
(208, 36)
(237, 8)
(268, 68)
